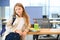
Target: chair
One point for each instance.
(3, 27)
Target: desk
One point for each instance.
(54, 18)
(46, 31)
(55, 22)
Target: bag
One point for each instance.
(13, 36)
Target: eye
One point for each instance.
(19, 9)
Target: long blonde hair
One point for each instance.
(24, 14)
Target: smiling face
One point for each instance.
(18, 10)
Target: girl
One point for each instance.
(21, 24)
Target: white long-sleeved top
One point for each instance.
(17, 25)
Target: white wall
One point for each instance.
(54, 2)
(13, 2)
(30, 3)
(0, 19)
(2, 12)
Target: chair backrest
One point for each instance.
(44, 23)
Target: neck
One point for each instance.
(19, 15)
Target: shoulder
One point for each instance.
(22, 18)
(10, 18)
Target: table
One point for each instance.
(46, 31)
(55, 22)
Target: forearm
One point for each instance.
(27, 28)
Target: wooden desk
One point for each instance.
(46, 31)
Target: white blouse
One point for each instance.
(17, 25)
(20, 24)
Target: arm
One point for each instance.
(20, 26)
(27, 28)
(8, 24)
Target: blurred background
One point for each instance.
(35, 9)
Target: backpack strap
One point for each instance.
(14, 17)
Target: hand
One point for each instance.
(24, 33)
(18, 31)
